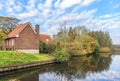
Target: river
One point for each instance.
(103, 67)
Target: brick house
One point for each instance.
(24, 38)
(45, 38)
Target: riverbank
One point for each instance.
(12, 60)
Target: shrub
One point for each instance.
(46, 48)
(61, 55)
(49, 48)
(42, 46)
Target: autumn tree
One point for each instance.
(2, 38)
(72, 34)
(76, 41)
(103, 38)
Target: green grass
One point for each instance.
(14, 57)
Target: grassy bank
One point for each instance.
(14, 57)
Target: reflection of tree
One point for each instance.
(78, 67)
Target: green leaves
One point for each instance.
(2, 37)
(61, 55)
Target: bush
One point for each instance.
(42, 46)
(61, 55)
(46, 48)
(50, 48)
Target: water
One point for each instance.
(85, 68)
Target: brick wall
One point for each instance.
(27, 39)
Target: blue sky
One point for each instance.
(94, 14)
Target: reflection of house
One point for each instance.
(45, 38)
(24, 38)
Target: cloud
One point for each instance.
(31, 4)
(68, 3)
(56, 5)
(48, 4)
(29, 14)
(83, 3)
(54, 30)
(1, 6)
(87, 2)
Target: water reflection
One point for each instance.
(79, 67)
(90, 68)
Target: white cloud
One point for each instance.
(46, 13)
(87, 2)
(11, 2)
(9, 6)
(48, 3)
(54, 30)
(31, 4)
(68, 3)
(83, 3)
(29, 14)
(57, 3)
(18, 7)
(1, 6)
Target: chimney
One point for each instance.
(37, 28)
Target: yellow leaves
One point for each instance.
(2, 35)
(83, 44)
(104, 50)
(88, 43)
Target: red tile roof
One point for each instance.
(45, 38)
(17, 30)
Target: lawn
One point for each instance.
(14, 57)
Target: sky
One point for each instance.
(93, 14)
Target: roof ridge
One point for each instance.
(18, 29)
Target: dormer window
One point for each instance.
(47, 40)
(17, 35)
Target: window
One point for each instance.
(12, 42)
(47, 40)
(7, 42)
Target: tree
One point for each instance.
(72, 34)
(2, 37)
(103, 38)
(7, 24)
(76, 41)
(62, 34)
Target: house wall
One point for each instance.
(31, 51)
(27, 40)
